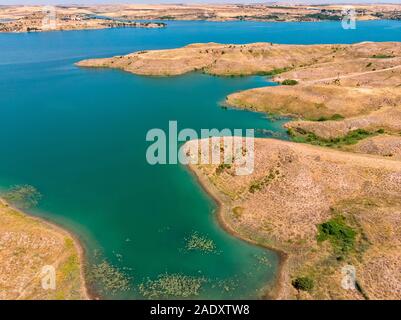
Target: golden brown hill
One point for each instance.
(294, 189)
(256, 58)
(28, 244)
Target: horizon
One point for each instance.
(161, 2)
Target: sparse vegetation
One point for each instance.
(258, 185)
(273, 72)
(200, 243)
(172, 286)
(322, 16)
(334, 117)
(109, 278)
(351, 138)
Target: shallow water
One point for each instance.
(78, 135)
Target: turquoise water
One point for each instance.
(78, 135)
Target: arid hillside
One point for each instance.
(27, 245)
(217, 12)
(295, 193)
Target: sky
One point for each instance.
(188, 1)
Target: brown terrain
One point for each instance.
(29, 18)
(294, 188)
(28, 244)
(347, 101)
(260, 12)
(37, 19)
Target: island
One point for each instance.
(329, 200)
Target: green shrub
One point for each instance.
(351, 138)
(382, 56)
(222, 167)
(334, 117)
(303, 283)
(289, 82)
(338, 233)
(110, 278)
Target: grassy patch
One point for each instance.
(341, 236)
(273, 72)
(70, 269)
(289, 82)
(200, 243)
(172, 286)
(351, 138)
(334, 117)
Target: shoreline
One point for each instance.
(272, 291)
(88, 292)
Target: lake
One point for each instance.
(78, 135)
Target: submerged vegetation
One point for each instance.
(200, 243)
(22, 196)
(172, 286)
(111, 280)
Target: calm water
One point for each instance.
(78, 135)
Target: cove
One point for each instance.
(78, 135)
